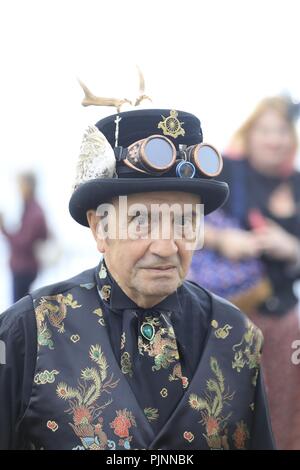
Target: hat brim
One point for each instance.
(89, 195)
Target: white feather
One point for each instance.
(96, 159)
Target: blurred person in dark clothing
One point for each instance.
(264, 204)
(23, 261)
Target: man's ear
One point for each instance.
(96, 228)
(93, 221)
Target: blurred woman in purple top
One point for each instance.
(23, 260)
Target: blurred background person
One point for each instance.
(252, 249)
(24, 264)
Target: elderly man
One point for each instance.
(129, 355)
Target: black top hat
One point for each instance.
(100, 176)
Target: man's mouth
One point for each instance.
(162, 268)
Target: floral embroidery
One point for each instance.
(88, 285)
(123, 340)
(102, 272)
(188, 436)
(185, 382)
(163, 347)
(223, 332)
(240, 435)
(54, 309)
(164, 392)
(211, 405)
(45, 377)
(152, 414)
(249, 351)
(99, 312)
(177, 375)
(126, 364)
(83, 401)
(44, 336)
(52, 425)
(75, 338)
(121, 425)
(105, 293)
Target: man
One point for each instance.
(129, 355)
(22, 243)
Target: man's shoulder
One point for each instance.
(16, 315)
(197, 291)
(222, 307)
(84, 278)
(23, 310)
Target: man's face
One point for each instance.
(149, 268)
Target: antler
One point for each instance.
(142, 95)
(91, 100)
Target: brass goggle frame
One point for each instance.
(135, 157)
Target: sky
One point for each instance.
(213, 58)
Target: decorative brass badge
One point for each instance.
(171, 125)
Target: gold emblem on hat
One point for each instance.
(171, 125)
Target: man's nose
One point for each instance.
(164, 248)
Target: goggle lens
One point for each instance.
(158, 153)
(208, 160)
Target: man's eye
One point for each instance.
(141, 219)
(184, 221)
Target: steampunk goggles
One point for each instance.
(156, 155)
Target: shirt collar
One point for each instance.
(112, 294)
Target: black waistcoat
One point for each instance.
(81, 398)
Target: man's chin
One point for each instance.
(160, 275)
(161, 288)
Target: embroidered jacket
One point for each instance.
(84, 389)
